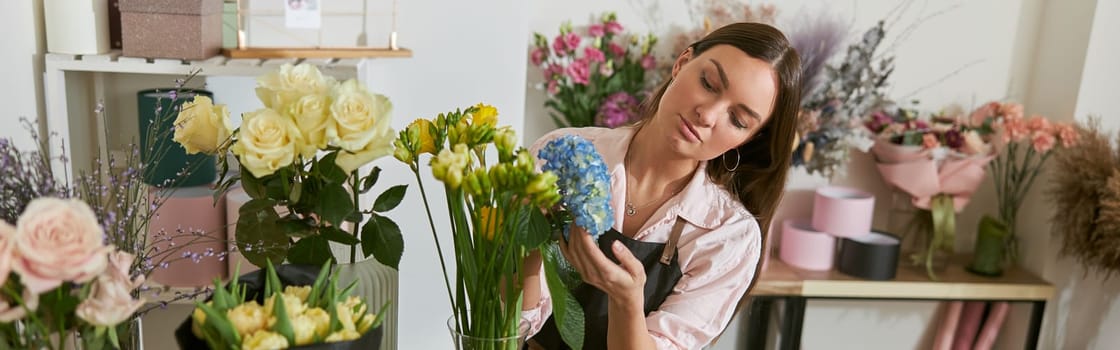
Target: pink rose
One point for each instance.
(6, 234)
(1067, 134)
(614, 27)
(580, 71)
(110, 302)
(537, 56)
(10, 312)
(57, 240)
(616, 49)
(596, 30)
(1042, 141)
(648, 62)
(594, 55)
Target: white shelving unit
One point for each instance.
(74, 85)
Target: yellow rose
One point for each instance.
(267, 142)
(300, 292)
(343, 335)
(280, 88)
(321, 319)
(247, 318)
(380, 146)
(201, 126)
(359, 117)
(264, 340)
(310, 114)
(485, 114)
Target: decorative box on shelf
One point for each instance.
(181, 29)
(77, 27)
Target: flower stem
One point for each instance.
(435, 237)
(355, 186)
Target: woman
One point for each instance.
(694, 184)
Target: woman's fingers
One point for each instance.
(631, 264)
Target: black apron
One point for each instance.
(662, 274)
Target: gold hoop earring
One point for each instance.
(724, 161)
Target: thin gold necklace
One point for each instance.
(631, 210)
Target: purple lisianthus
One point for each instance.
(618, 109)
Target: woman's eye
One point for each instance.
(704, 82)
(736, 121)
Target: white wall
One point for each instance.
(464, 53)
(21, 64)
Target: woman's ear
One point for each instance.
(684, 57)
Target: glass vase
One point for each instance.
(467, 342)
(991, 247)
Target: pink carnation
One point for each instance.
(596, 30)
(616, 49)
(1067, 134)
(1042, 141)
(614, 27)
(580, 71)
(1011, 109)
(594, 55)
(1038, 124)
(1013, 128)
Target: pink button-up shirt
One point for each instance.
(718, 249)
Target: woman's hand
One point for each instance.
(623, 283)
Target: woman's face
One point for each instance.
(716, 101)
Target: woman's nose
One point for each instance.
(707, 115)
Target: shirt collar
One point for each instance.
(699, 202)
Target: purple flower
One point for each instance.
(618, 109)
(954, 139)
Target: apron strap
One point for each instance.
(671, 245)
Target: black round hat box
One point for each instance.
(873, 256)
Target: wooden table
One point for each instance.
(792, 286)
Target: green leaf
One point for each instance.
(315, 298)
(389, 199)
(217, 321)
(335, 234)
(297, 190)
(335, 204)
(330, 171)
(566, 310)
(258, 236)
(532, 229)
(382, 238)
(280, 311)
(371, 179)
(314, 250)
(272, 281)
(252, 185)
(294, 226)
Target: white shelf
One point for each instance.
(113, 62)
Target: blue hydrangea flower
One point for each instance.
(583, 181)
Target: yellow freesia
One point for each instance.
(485, 115)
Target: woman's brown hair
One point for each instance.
(758, 167)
